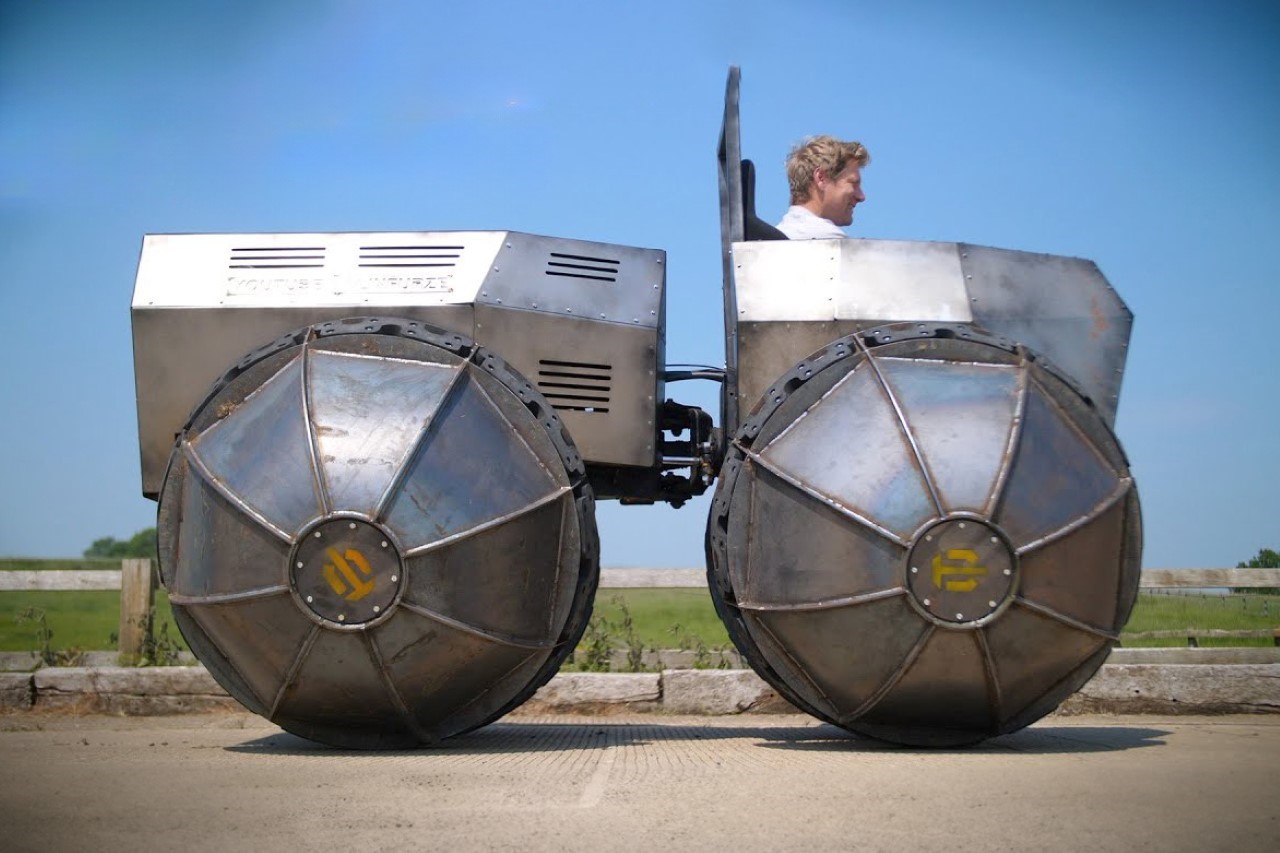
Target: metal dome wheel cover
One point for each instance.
(941, 449)
(376, 534)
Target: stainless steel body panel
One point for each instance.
(374, 270)
(870, 280)
(179, 353)
(575, 278)
(768, 350)
(602, 377)
(201, 301)
(1062, 308)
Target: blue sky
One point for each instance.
(1141, 135)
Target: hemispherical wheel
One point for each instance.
(375, 533)
(923, 533)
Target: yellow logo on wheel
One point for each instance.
(350, 585)
(963, 564)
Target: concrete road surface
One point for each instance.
(235, 782)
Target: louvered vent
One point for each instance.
(575, 386)
(410, 256)
(581, 266)
(277, 258)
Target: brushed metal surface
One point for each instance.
(769, 349)
(869, 533)
(603, 378)
(375, 540)
(180, 352)
(789, 294)
(201, 301)
(853, 279)
(577, 278)
(1062, 308)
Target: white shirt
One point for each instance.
(800, 223)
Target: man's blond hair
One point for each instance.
(827, 153)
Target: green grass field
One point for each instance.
(662, 617)
(1221, 612)
(655, 611)
(659, 618)
(80, 620)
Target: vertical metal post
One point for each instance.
(137, 595)
(732, 230)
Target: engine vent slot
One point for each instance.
(277, 257)
(582, 266)
(575, 386)
(410, 256)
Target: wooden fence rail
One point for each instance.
(136, 581)
(62, 579)
(1151, 578)
(1193, 636)
(1209, 578)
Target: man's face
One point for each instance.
(837, 197)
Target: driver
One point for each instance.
(825, 174)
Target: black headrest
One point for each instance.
(754, 227)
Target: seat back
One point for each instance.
(754, 227)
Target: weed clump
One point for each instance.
(616, 645)
(49, 656)
(159, 647)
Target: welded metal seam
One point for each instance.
(411, 722)
(1069, 422)
(1080, 434)
(224, 383)
(406, 462)
(841, 381)
(799, 670)
(906, 430)
(1117, 494)
(829, 604)
(996, 498)
(915, 359)
(197, 465)
(555, 579)
(492, 636)
(892, 681)
(381, 358)
(752, 482)
(453, 538)
(826, 500)
(320, 480)
(229, 597)
(226, 659)
(1069, 621)
(483, 693)
(1126, 519)
(295, 666)
(994, 694)
(496, 409)
(1005, 728)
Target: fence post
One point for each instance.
(137, 595)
